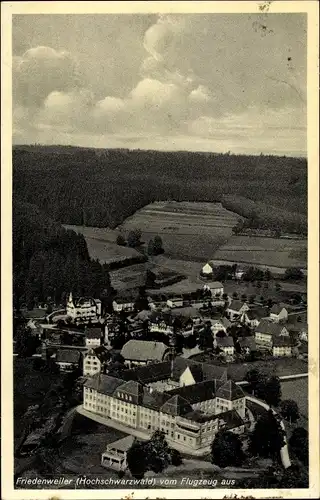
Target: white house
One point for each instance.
(282, 347)
(123, 304)
(236, 309)
(84, 310)
(94, 360)
(93, 337)
(216, 288)
(267, 331)
(115, 455)
(278, 313)
(226, 345)
(207, 269)
(175, 302)
(218, 325)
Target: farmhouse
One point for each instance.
(236, 309)
(95, 360)
(282, 346)
(84, 310)
(218, 325)
(142, 352)
(93, 337)
(216, 288)
(247, 344)
(253, 316)
(124, 303)
(189, 412)
(278, 313)
(226, 345)
(267, 331)
(68, 359)
(175, 302)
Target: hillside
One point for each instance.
(50, 261)
(102, 188)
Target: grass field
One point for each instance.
(278, 252)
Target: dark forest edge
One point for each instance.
(101, 188)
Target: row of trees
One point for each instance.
(155, 246)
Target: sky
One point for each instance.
(199, 82)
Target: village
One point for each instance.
(178, 363)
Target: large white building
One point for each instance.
(84, 310)
(189, 401)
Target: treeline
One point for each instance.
(83, 186)
(50, 261)
(259, 215)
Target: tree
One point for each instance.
(150, 279)
(205, 337)
(151, 248)
(235, 295)
(158, 246)
(121, 240)
(270, 391)
(278, 286)
(176, 458)
(134, 238)
(299, 444)
(267, 275)
(137, 460)
(255, 379)
(252, 299)
(293, 273)
(267, 437)
(244, 297)
(226, 449)
(157, 452)
(294, 476)
(289, 410)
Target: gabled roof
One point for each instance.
(143, 350)
(176, 405)
(224, 341)
(195, 393)
(104, 384)
(231, 419)
(236, 305)
(93, 333)
(153, 399)
(230, 391)
(131, 387)
(276, 309)
(123, 444)
(268, 327)
(68, 356)
(249, 342)
(196, 372)
(257, 313)
(282, 342)
(214, 284)
(101, 352)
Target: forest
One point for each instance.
(102, 188)
(50, 261)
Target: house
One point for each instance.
(161, 322)
(93, 337)
(95, 360)
(303, 333)
(278, 313)
(207, 270)
(253, 316)
(226, 345)
(142, 352)
(218, 325)
(175, 302)
(123, 303)
(84, 310)
(68, 359)
(267, 331)
(236, 309)
(239, 272)
(216, 288)
(247, 344)
(115, 456)
(282, 346)
(190, 414)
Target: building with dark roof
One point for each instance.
(236, 309)
(186, 400)
(68, 359)
(93, 336)
(226, 345)
(142, 352)
(267, 331)
(95, 360)
(278, 313)
(282, 346)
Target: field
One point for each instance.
(102, 245)
(298, 391)
(189, 230)
(277, 252)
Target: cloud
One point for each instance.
(196, 79)
(41, 70)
